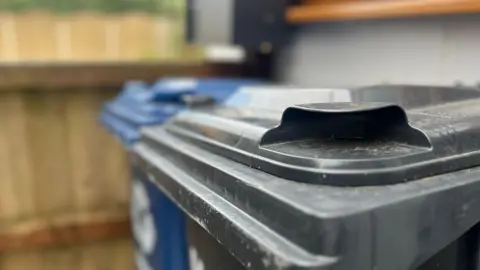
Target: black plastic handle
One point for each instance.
(345, 121)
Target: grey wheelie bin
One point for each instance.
(379, 178)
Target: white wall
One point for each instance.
(433, 50)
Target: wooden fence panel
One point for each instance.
(89, 36)
(65, 181)
(17, 197)
(35, 34)
(96, 159)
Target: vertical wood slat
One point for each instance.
(48, 152)
(16, 189)
(9, 205)
(87, 180)
(35, 28)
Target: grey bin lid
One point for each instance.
(345, 179)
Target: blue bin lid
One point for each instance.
(217, 88)
(140, 104)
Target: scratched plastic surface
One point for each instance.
(343, 149)
(369, 136)
(383, 178)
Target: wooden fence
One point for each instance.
(65, 181)
(42, 36)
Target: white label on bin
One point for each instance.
(143, 223)
(142, 262)
(196, 262)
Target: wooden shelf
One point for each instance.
(328, 10)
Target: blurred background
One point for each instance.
(65, 182)
(94, 30)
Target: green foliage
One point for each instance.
(169, 7)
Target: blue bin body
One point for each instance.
(158, 224)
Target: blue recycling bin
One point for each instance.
(158, 224)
